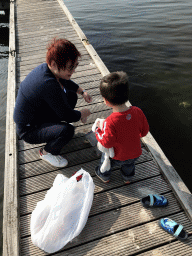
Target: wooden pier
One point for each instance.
(117, 224)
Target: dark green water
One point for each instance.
(151, 41)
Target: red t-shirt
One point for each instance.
(122, 131)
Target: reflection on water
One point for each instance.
(151, 41)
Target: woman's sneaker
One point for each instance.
(57, 161)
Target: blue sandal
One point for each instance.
(173, 228)
(154, 201)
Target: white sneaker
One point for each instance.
(57, 161)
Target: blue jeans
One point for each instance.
(56, 135)
(127, 167)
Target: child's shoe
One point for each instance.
(103, 177)
(127, 179)
(57, 161)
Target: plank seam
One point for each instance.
(120, 231)
(97, 158)
(115, 208)
(155, 247)
(96, 193)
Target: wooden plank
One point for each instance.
(27, 4)
(117, 219)
(78, 142)
(181, 191)
(128, 242)
(86, 60)
(89, 76)
(36, 55)
(44, 24)
(35, 48)
(53, 28)
(41, 54)
(22, 145)
(33, 154)
(47, 30)
(39, 49)
(81, 69)
(25, 11)
(175, 248)
(79, 75)
(31, 35)
(22, 62)
(28, 22)
(11, 231)
(143, 171)
(83, 64)
(46, 14)
(45, 181)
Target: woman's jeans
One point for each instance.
(55, 134)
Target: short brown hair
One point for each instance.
(115, 88)
(61, 51)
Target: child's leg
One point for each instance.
(128, 169)
(105, 177)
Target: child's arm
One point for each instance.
(106, 134)
(144, 126)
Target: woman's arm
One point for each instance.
(85, 95)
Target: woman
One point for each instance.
(46, 100)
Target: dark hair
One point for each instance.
(115, 88)
(61, 51)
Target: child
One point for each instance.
(122, 129)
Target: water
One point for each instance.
(151, 41)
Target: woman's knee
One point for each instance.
(67, 131)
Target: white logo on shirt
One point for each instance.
(104, 127)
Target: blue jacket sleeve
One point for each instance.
(56, 98)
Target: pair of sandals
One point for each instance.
(170, 226)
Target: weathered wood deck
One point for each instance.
(118, 224)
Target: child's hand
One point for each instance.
(98, 124)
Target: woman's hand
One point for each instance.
(84, 114)
(87, 97)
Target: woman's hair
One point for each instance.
(115, 88)
(61, 51)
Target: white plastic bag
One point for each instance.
(63, 213)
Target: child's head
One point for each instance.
(115, 88)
